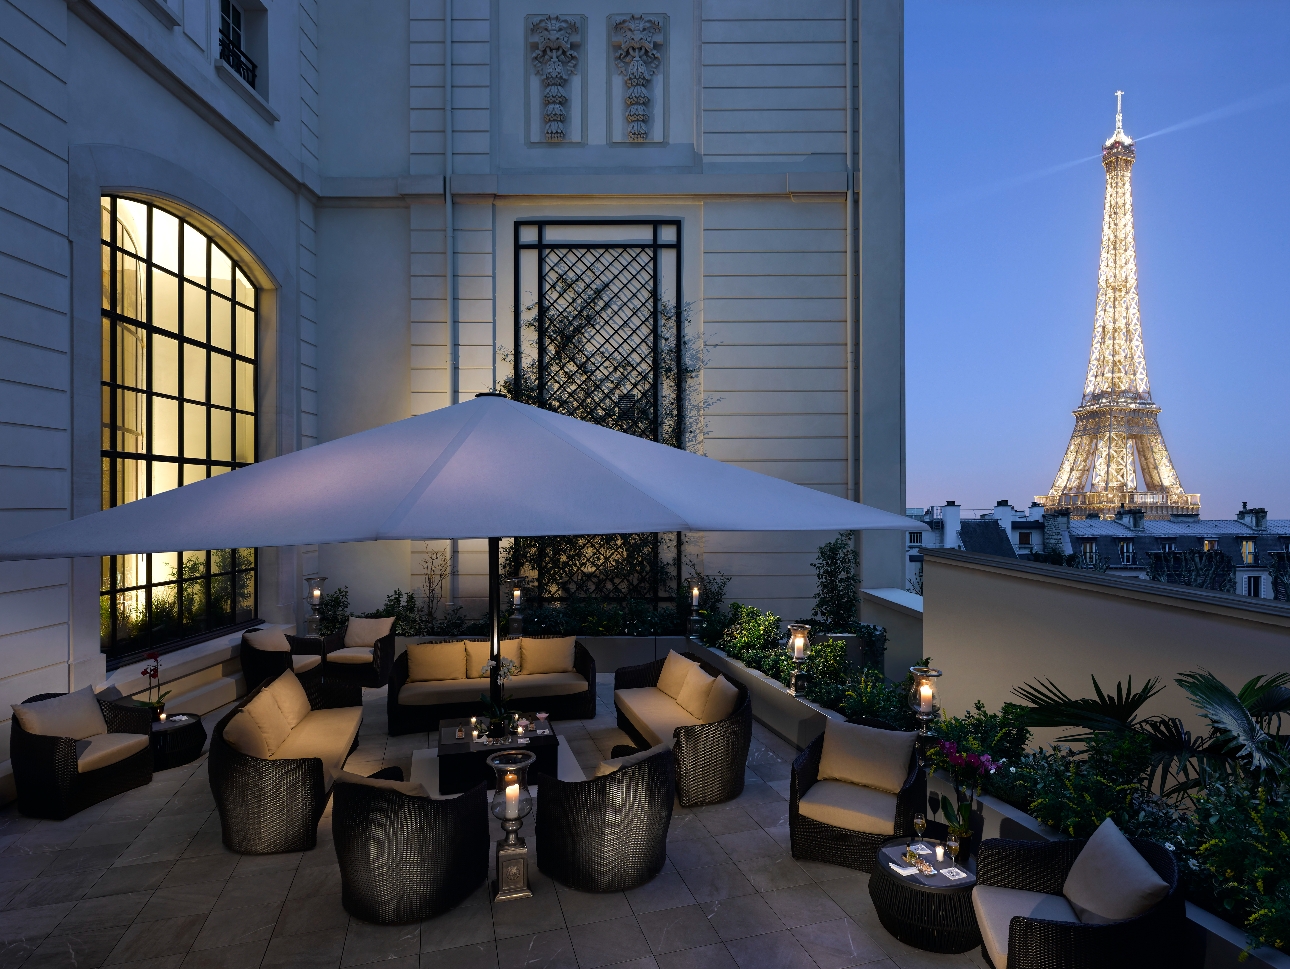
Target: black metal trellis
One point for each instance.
(600, 329)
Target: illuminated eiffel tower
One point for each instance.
(1117, 433)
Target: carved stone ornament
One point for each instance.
(554, 62)
(637, 62)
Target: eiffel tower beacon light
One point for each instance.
(1117, 431)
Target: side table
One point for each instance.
(929, 912)
(178, 739)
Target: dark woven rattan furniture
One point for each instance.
(405, 858)
(462, 763)
(816, 841)
(259, 665)
(373, 674)
(267, 806)
(608, 834)
(177, 740)
(414, 718)
(935, 917)
(1155, 938)
(710, 758)
(44, 768)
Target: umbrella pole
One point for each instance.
(495, 617)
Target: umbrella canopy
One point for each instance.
(484, 467)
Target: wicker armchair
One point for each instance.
(259, 665)
(816, 841)
(608, 834)
(1152, 939)
(414, 718)
(267, 806)
(44, 768)
(404, 858)
(373, 674)
(710, 758)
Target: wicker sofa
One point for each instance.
(872, 782)
(1015, 877)
(270, 790)
(710, 747)
(267, 653)
(77, 749)
(418, 702)
(607, 834)
(403, 856)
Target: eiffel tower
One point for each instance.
(1117, 433)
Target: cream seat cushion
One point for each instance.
(675, 669)
(269, 640)
(694, 695)
(996, 908)
(655, 714)
(1110, 881)
(554, 655)
(721, 701)
(865, 755)
(351, 655)
(365, 632)
(75, 715)
(290, 698)
(617, 763)
(545, 684)
(303, 664)
(104, 749)
(850, 806)
(411, 788)
(463, 691)
(436, 661)
(326, 734)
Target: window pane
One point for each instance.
(131, 421)
(132, 223)
(221, 380)
(220, 607)
(165, 365)
(221, 272)
(131, 356)
(221, 435)
(106, 302)
(194, 313)
(131, 295)
(245, 386)
(105, 220)
(165, 476)
(244, 293)
(165, 301)
(106, 354)
(194, 472)
(130, 481)
(106, 405)
(245, 558)
(165, 426)
(246, 332)
(165, 612)
(194, 372)
(165, 566)
(130, 616)
(194, 434)
(165, 240)
(194, 605)
(194, 255)
(245, 439)
(221, 323)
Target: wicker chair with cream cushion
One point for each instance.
(267, 653)
(1101, 903)
(439, 679)
(361, 653)
(71, 750)
(272, 762)
(707, 719)
(853, 788)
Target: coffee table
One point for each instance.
(461, 762)
(933, 913)
(177, 740)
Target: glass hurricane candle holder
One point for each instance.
(922, 696)
(799, 640)
(511, 802)
(314, 598)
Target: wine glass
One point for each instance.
(952, 846)
(920, 824)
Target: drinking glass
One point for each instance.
(920, 824)
(952, 846)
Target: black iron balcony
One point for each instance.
(236, 58)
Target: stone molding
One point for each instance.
(638, 60)
(554, 61)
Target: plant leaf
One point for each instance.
(1232, 726)
(1050, 706)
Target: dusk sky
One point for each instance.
(1002, 243)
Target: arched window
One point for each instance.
(179, 392)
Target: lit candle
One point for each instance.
(163, 717)
(474, 734)
(940, 852)
(925, 698)
(512, 796)
(473, 721)
(519, 731)
(799, 648)
(517, 597)
(694, 596)
(317, 595)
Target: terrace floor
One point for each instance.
(142, 881)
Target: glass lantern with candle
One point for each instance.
(922, 696)
(515, 625)
(695, 620)
(511, 803)
(799, 641)
(315, 583)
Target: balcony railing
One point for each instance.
(236, 58)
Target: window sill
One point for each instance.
(248, 93)
(162, 11)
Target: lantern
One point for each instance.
(922, 695)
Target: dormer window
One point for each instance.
(1126, 551)
(231, 50)
(1211, 545)
(1248, 556)
(1168, 545)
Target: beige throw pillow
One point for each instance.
(75, 715)
(365, 632)
(476, 657)
(436, 661)
(547, 655)
(1110, 881)
(245, 737)
(290, 698)
(694, 695)
(512, 649)
(411, 788)
(269, 720)
(721, 701)
(675, 669)
(866, 755)
(269, 640)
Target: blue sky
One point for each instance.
(1002, 250)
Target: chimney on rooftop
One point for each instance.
(1057, 531)
(1254, 517)
(951, 515)
(1130, 517)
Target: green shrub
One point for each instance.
(750, 634)
(836, 585)
(868, 694)
(1003, 735)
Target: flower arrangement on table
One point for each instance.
(496, 712)
(967, 769)
(153, 672)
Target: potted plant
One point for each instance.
(153, 672)
(967, 770)
(498, 718)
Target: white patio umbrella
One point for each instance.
(483, 468)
